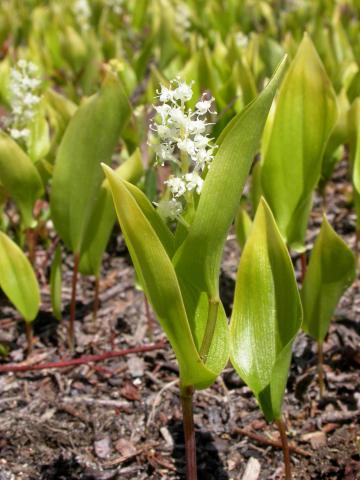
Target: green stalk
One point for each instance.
(186, 397)
(209, 329)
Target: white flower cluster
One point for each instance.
(182, 20)
(241, 40)
(115, 5)
(182, 140)
(25, 86)
(82, 12)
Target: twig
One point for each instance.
(270, 443)
(82, 360)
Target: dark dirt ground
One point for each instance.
(121, 419)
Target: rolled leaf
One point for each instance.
(89, 139)
(331, 271)
(158, 278)
(17, 279)
(19, 177)
(197, 261)
(266, 315)
(103, 217)
(292, 153)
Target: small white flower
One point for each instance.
(204, 106)
(82, 13)
(197, 126)
(169, 209)
(241, 40)
(165, 94)
(201, 141)
(24, 89)
(19, 134)
(176, 186)
(186, 145)
(183, 92)
(193, 182)
(163, 111)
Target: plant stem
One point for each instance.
(96, 297)
(29, 337)
(31, 243)
(186, 396)
(209, 329)
(282, 430)
(73, 301)
(321, 369)
(303, 266)
(149, 318)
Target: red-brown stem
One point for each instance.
(186, 396)
(31, 243)
(149, 318)
(282, 430)
(81, 360)
(303, 266)
(321, 369)
(29, 337)
(96, 297)
(73, 301)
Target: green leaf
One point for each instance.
(243, 225)
(19, 177)
(89, 139)
(17, 279)
(292, 154)
(331, 271)
(158, 278)
(197, 261)
(55, 283)
(103, 217)
(354, 132)
(266, 315)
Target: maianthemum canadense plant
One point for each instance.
(180, 272)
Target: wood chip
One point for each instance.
(252, 470)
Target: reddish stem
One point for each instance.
(82, 360)
(321, 369)
(96, 297)
(73, 302)
(186, 396)
(285, 446)
(29, 337)
(31, 243)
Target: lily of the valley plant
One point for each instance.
(180, 271)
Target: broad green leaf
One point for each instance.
(331, 270)
(103, 217)
(158, 278)
(198, 259)
(266, 315)
(292, 153)
(19, 177)
(17, 279)
(243, 225)
(39, 140)
(55, 283)
(89, 139)
(338, 137)
(354, 133)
